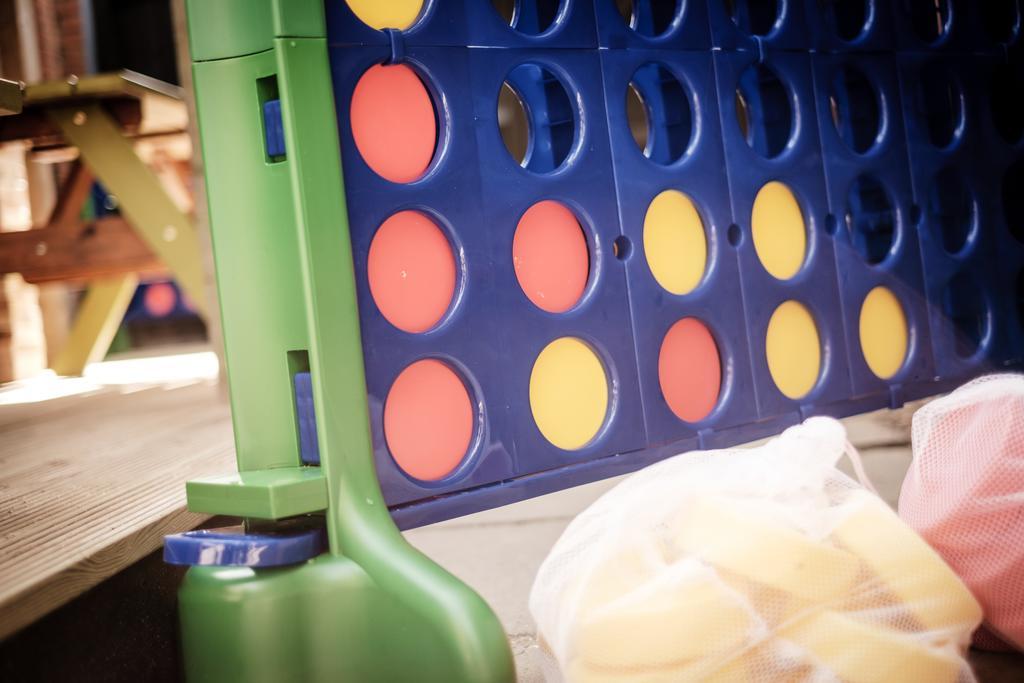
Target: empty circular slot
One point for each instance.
(793, 350)
(930, 19)
(536, 96)
(856, 111)
(690, 370)
(870, 219)
(847, 18)
(550, 256)
(1008, 103)
(637, 117)
(412, 271)
(778, 229)
(884, 335)
(513, 123)
(951, 210)
(674, 242)
(568, 393)
(659, 114)
(940, 104)
(754, 17)
(1001, 19)
(967, 312)
(398, 14)
(531, 17)
(763, 110)
(394, 123)
(428, 420)
(1013, 199)
(649, 18)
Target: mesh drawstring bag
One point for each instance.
(965, 495)
(762, 564)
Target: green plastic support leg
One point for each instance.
(373, 608)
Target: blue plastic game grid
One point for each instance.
(961, 286)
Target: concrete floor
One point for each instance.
(497, 552)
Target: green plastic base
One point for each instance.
(323, 621)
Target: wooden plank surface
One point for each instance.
(90, 483)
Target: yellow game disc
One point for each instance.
(674, 242)
(883, 332)
(381, 14)
(793, 349)
(568, 393)
(777, 226)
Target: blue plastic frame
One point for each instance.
(463, 51)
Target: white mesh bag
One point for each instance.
(762, 564)
(965, 493)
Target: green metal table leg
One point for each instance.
(98, 318)
(167, 231)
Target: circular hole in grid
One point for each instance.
(735, 235)
(674, 242)
(537, 118)
(855, 107)
(531, 17)
(831, 224)
(1013, 199)
(884, 334)
(569, 393)
(1007, 99)
(659, 113)
(428, 420)
(690, 370)
(916, 215)
(870, 219)
(622, 247)
(550, 256)
(952, 211)
(929, 19)
(793, 349)
(649, 18)
(397, 14)
(966, 311)
(847, 18)
(411, 271)
(778, 229)
(940, 104)
(1001, 19)
(763, 110)
(394, 122)
(754, 17)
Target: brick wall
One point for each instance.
(61, 44)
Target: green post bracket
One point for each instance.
(263, 494)
(373, 608)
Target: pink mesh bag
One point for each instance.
(965, 495)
